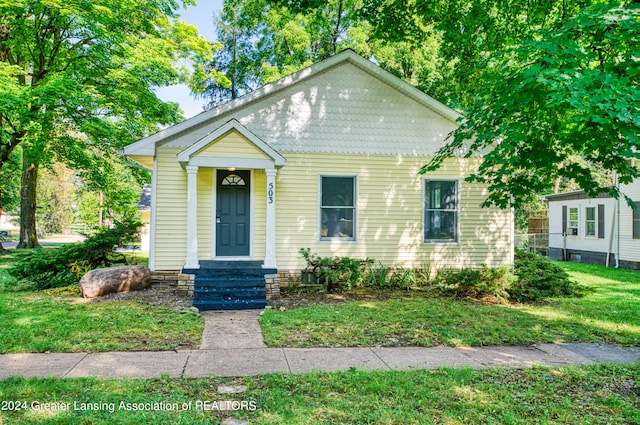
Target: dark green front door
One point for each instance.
(233, 218)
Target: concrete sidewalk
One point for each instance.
(256, 361)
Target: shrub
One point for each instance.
(337, 272)
(53, 268)
(348, 273)
(540, 278)
(476, 283)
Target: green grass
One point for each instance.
(36, 322)
(576, 395)
(608, 314)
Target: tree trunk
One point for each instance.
(28, 232)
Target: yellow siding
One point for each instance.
(233, 144)
(259, 213)
(171, 211)
(205, 212)
(171, 225)
(389, 214)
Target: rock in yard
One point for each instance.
(114, 279)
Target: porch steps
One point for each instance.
(230, 285)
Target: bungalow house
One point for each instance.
(327, 159)
(601, 230)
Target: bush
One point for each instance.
(347, 273)
(53, 268)
(337, 272)
(540, 278)
(476, 283)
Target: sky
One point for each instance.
(201, 16)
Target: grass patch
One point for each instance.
(574, 395)
(607, 314)
(37, 322)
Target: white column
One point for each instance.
(270, 235)
(192, 218)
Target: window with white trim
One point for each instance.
(337, 207)
(590, 221)
(441, 211)
(573, 217)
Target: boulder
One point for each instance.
(114, 279)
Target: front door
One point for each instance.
(233, 218)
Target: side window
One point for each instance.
(590, 221)
(337, 207)
(573, 217)
(441, 211)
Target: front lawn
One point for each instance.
(36, 322)
(608, 314)
(575, 395)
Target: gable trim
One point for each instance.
(188, 155)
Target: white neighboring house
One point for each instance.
(7, 222)
(601, 230)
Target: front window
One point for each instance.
(337, 207)
(590, 221)
(440, 210)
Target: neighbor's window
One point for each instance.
(440, 210)
(636, 220)
(573, 217)
(590, 221)
(337, 207)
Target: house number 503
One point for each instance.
(270, 193)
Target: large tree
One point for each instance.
(558, 107)
(468, 33)
(78, 75)
(265, 40)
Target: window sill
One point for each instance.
(339, 240)
(436, 242)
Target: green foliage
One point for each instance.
(55, 195)
(425, 318)
(558, 106)
(10, 182)
(535, 278)
(345, 273)
(78, 81)
(539, 278)
(579, 395)
(476, 283)
(51, 268)
(337, 272)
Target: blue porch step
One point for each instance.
(230, 285)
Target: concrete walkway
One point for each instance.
(231, 329)
(256, 361)
(232, 345)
